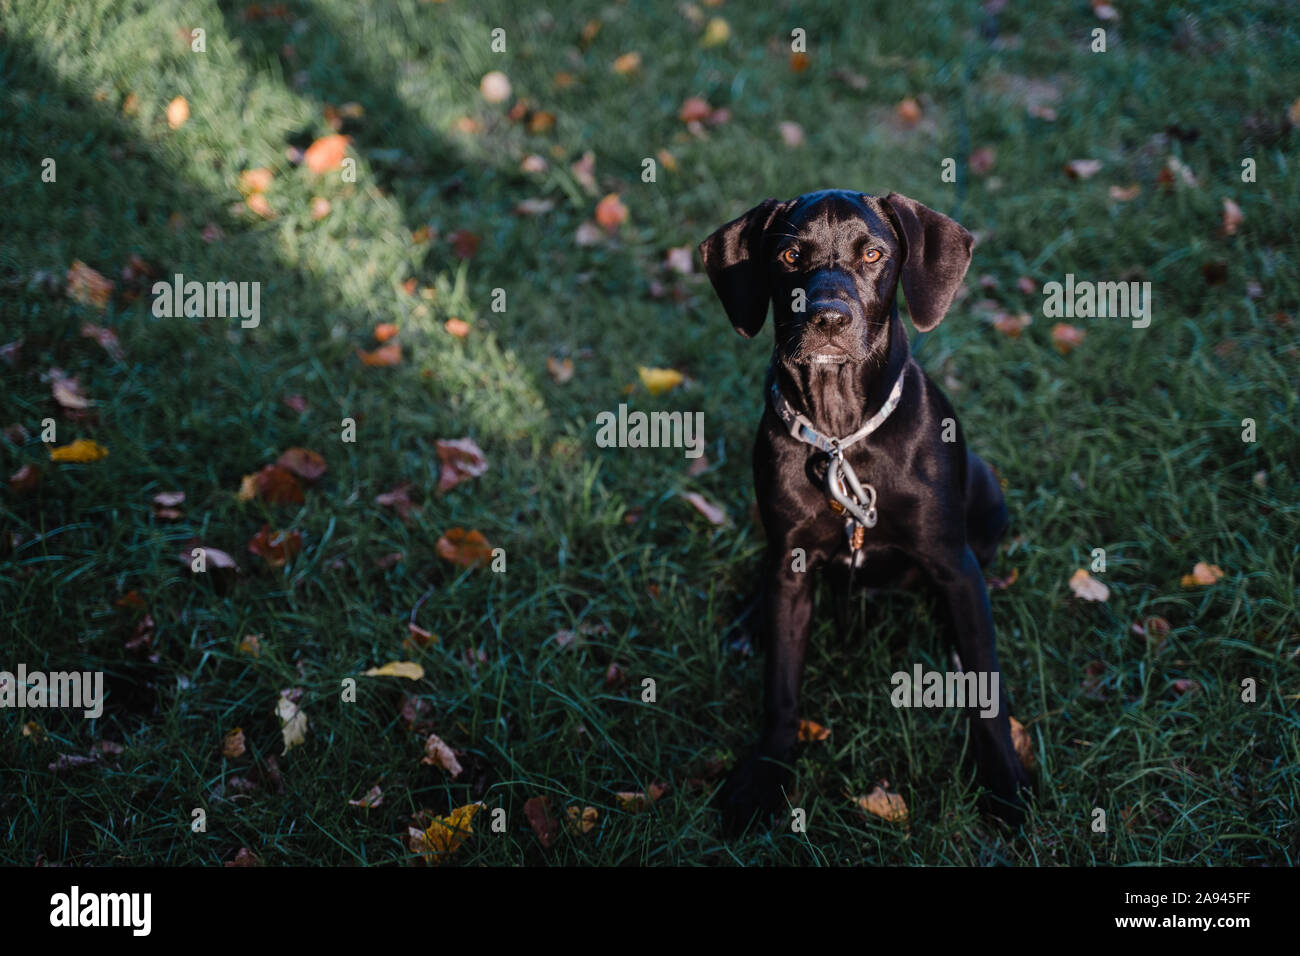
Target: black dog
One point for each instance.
(859, 459)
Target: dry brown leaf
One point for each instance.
(1023, 743)
(456, 327)
(232, 745)
(374, 797)
(881, 803)
(810, 730)
(87, 286)
(1011, 325)
(611, 213)
(538, 812)
(695, 109)
(303, 462)
(1232, 217)
(106, 338)
(255, 180)
(1065, 338)
(1202, 575)
(461, 460)
(712, 512)
(276, 548)
(25, 479)
(399, 499)
(560, 370)
(326, 153)
(582, 821)
(438, 754)
(908, 111)
(390, 354)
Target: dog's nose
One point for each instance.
(829, 315)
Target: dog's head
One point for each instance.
(830, 262)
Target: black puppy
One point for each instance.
(859, 459)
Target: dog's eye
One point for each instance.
(790, 256)
(871, 255)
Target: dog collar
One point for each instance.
(801, 428)
(852, 496)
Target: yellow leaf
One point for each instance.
(446, 834)
(80, 451)
(716, 33)
(810, 730)
(659, 380)
(408, 669)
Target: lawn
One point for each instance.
(1131, 442)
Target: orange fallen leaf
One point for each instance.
(1202, 575)
(908, 111)
(582, 821)
(627, 63)
(560, 370)
(456, 327)
(326, 153)
(1001, 584)
(611, 213)
(695, 109)
(303, 462)
(1066, 337)
(810, 730)
(798, 62)
(178, 111)
(276, 548)
(385, 355)
(1011, 325)
(1088, 588)
(232, 745)
(255, 180)
(385, 331)
(446, 834)
(87, 286)
(250, 644)
(467, 548)
(130, 601)
(276, 485)
(636, 801)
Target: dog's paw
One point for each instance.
(755, 788)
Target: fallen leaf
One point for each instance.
(130, 601)
(259, 204)
(1232, 217)
(408, 669)
(418, 636)
(303, 462)
(495, 87)
(637, 801)
(67, 390)
(293, 720)
(716, 33)
(1001, 584)
(791, 133)
(982, 160)
(1202, 575)
(543, 121)
(213, 557)
(250, 644)
(255, 180)
(1185, 686)
(320, 208)
(467, 548)
(456, 327)
(79, 452)
(611, 213)
(232, 745)
(25, 479)
(810, 730)
(106, 338)
(695, 109)
(399, 499)
(881, 803)
(908, 111)
(627, 63)
(438, 754)
(296, 403)
(584, 171)
(588, 234)
(1066, 337)
(534, 207)
(582, 821)
(1023, 743)
(373, 798)
(245, 857)
(326, 153)
(385, 355)
(712, 512)
(88, 287)
(545, 826)
(560, 370)
(1082, 168)
(1088, 588)
(276, 548)
(1011, 325)
(276, 485)
(446, 834)
(178, 111)
(69, 762)
(798, 62)
(659, 380)
(464, 244)
(1125, 193)
(461, 460)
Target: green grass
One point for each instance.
(1131, 443)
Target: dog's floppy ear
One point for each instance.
(938, 254)
(733, 258)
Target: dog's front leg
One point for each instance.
(759, 783)
(999, 769)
